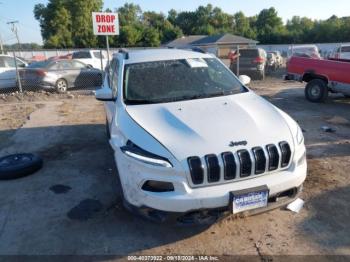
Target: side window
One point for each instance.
(54, 66)
(65, 65)
(81, 54)
(78, 65)
(2, 62)
(114, 83)
(111, 71)
(9, 61)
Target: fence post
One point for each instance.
(238, 55)
(101, 59)
(17, 73)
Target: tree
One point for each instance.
(151, 37)
(82, 32)
(243, 26)
(55, 23)
(67, 23)
(269, 26)
(130, 36)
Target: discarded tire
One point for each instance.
(19, 165)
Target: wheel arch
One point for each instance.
(311, 75)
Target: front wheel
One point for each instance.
(316, 91)
(61, 86)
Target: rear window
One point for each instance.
(249, 53)
(41, 64)
(98, 54)
(345, 49)
(81, 54)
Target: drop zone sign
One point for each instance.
(105, 23)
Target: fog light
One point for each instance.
(302, 159)
(157, 186)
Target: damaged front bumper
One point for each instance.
(210, 216)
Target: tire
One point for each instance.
(316, 91)
(61, 86)
(19, 165)
(347, 96)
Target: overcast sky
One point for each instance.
(29, 31)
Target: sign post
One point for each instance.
(105, 24)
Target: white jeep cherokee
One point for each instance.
(190, 138)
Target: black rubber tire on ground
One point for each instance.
(347, 96)
(61, 86)
(316, 91)
(19, 165)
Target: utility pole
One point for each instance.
(1, 44)
(14, 29)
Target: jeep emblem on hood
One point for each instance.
(238, 143)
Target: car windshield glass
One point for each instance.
(82, 54)
(176, 80)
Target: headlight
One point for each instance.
(300, 136)
(134, 151)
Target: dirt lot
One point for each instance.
(83, 214)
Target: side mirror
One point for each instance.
(104, 94)
(245, 80)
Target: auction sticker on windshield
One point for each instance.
(249, 199)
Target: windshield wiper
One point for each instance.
(138, 102)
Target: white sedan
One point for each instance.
(8, 71)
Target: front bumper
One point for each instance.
(133, 174)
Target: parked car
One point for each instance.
(252, 62)
(190, 140)
(321, 75)
(342, 52)
(309, 51)
(279, 58)
(272, 63)
(60, 57)
(60, 75)
(92, 58)
(8, 71)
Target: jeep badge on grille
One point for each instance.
(238, 143)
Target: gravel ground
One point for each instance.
(72, 206)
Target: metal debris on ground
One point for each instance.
(296, 205)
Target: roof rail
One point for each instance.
(125, 52)
(192, 48)
(198, 49)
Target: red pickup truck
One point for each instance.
(321, 75)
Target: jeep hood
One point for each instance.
(207, 126)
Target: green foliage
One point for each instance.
(68, 23)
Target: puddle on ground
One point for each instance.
(60, 189)
(85, 210)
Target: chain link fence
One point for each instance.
(58, 71)
(82, 70)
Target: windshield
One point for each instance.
(177, 80)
